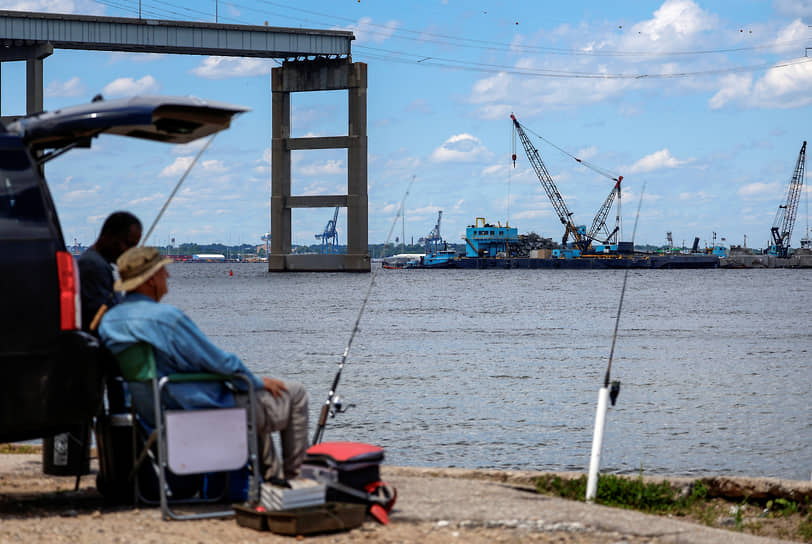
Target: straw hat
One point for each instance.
(137, 265)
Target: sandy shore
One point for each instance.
(434, 506)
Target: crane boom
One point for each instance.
(564, 215)
(785, 217)
(599, 223)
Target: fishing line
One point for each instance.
(622, 293)
(325, 409)
(175, 190)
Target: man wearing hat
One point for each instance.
(180, 347)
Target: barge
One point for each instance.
(491, 246)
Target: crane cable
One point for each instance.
(602, 171)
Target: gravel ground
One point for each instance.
(433, 506)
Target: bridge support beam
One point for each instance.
(33, 56)
(319, 75)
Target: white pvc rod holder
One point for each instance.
(597, 444)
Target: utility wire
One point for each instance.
(374, 53)
(458, 41)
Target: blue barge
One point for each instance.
(491, 246)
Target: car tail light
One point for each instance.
(70, 307)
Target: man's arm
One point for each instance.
(194, 351)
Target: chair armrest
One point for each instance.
(206, 377)
(197, 377)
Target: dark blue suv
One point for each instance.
(50, 371)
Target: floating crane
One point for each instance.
(329, 238)
(564, 215)
(582, 237)
(599, 223)
(785, 218)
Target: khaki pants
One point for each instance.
(288, 415)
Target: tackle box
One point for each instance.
(324, 518)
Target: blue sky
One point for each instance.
(706, 102)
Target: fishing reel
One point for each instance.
(337, 406)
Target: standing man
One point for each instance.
(120, 232)
(180, 347)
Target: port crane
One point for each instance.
(433, 237)
(582, 238)
(329, 238)
(785, 218)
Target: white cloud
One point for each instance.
(792, 36)
(188, 149)
(734, 87)
(213, 166)
(127, 86)
(698, 195)
(81, 194)
(146, 199)
(230, 67)
(759, 190)
(176, 168)
(70, 88)
(794, 8)
(496, 170)
(655, 161)
(533, 214)
(56, 6)
(786, 87)
(330, 167)
(366, 31)
(672, 26)
(781, 87)
(461, 148)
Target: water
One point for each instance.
(501, 368)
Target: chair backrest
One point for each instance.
(137, 363)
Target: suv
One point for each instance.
(51, 372)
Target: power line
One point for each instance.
(388, 55)
(494, 68)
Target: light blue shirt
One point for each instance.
(179, 346)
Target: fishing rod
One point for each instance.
(608, 390)
(177, 186)
(333, 404)
(94, 323)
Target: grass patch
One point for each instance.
(778, 517)
(20, 448)
(635, 494)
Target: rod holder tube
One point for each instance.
(597, 444)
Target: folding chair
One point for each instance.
(192, 441)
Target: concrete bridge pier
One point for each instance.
(33, 56)
(321, 74)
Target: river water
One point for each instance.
(501, 368)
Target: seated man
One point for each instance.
(180, 347)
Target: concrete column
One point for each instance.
(280, 174)
(319, 75)
(33, 56)
(357, 200)
(33, 86)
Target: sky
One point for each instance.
(701, 106)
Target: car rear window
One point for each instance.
(22, 207)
